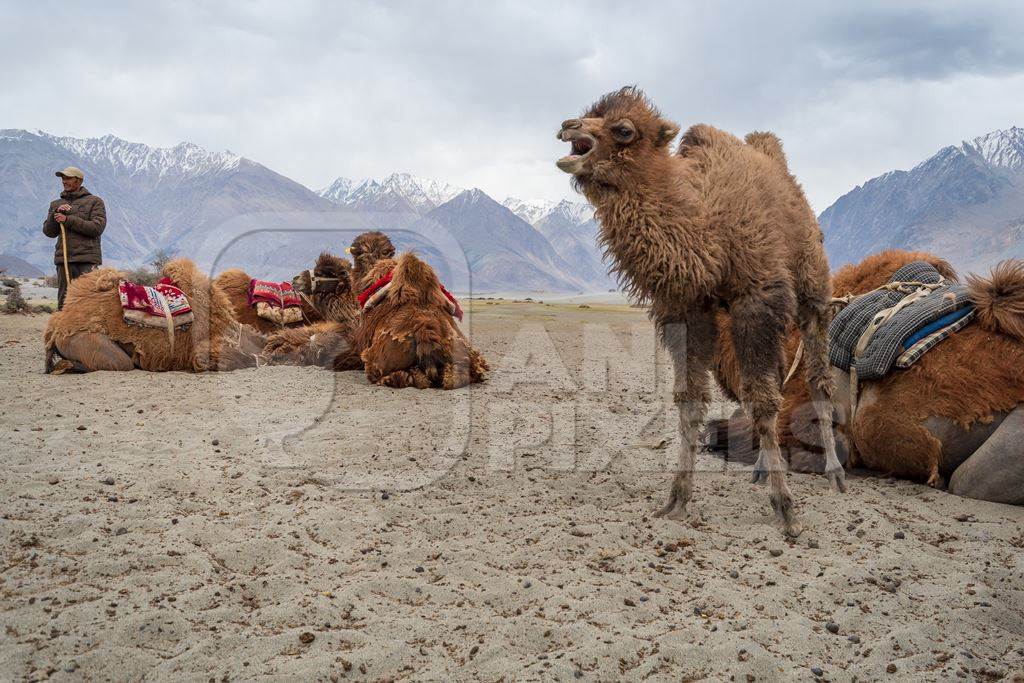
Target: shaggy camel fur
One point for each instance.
(720, 224)
(956, 414)
(366, 250)
(328, 343)
(410, 339)
(234, 282)
(91, 333)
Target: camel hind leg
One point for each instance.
(759, 322)
(87, 352)
(818, 371)
(995, 472)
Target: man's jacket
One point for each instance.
(85, 223)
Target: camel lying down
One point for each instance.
(956, 415)
(90, 333)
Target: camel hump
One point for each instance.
(411, 271)
(1000, 298)
(768, 144)
(704, 135)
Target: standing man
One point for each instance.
(77, 220)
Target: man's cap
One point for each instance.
(71, 172)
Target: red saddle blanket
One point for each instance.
(376, 292)
(161, 305)
(276, 294)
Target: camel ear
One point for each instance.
(666, 132)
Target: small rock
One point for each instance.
(527, 584)
(306, 637)
(817, 671)
(853, 639)
(899, 535)
(109, 481)
(215, 442)
(734, 574)
(775, 552)
(418, 570)
(121, 531)
(81, 428)
(812, 543)
(71, 667)
(384, 496)
(891, 668)
(628, 603)
(577, 674)
(53, 480)
(112, 499)
(832, 627)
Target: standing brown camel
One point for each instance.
(720, 224)
(90, 333)
(957, 414)
(328, 343)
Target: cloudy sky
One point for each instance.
(472, 92)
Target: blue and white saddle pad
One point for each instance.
(908, 333)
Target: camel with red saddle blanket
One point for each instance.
(185, 323)
(956, 414)
(266, 306)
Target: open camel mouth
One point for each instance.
(582, 146)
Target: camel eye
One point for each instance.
(623, 131)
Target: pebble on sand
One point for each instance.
(775, 552)
(832, 627)
(306, 637)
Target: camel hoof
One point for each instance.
(837, 480)
(675, 508)
(61, 366)
(758, 476)
(673, 511)
(792, 529)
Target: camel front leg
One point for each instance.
(690, 344)
(995, 472)
(758, 324)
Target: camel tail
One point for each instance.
(769, 145)
(732, 440)
(1000, 298)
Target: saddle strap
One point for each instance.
(168, 317)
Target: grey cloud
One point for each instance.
(471, 92)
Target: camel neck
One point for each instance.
(651, 229)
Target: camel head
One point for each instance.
(367, 249)
(615, 136)
(330, 277)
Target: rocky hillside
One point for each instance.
(965, 203)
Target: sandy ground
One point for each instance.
(292, 523)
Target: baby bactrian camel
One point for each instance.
(328, 343)
(90, 333)
(720, 224)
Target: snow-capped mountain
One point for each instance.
(396, 192)
(530, 210)
(965, 203)
(156, 198)
(224, 210)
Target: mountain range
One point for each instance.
(224, 211)
(965, 203)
